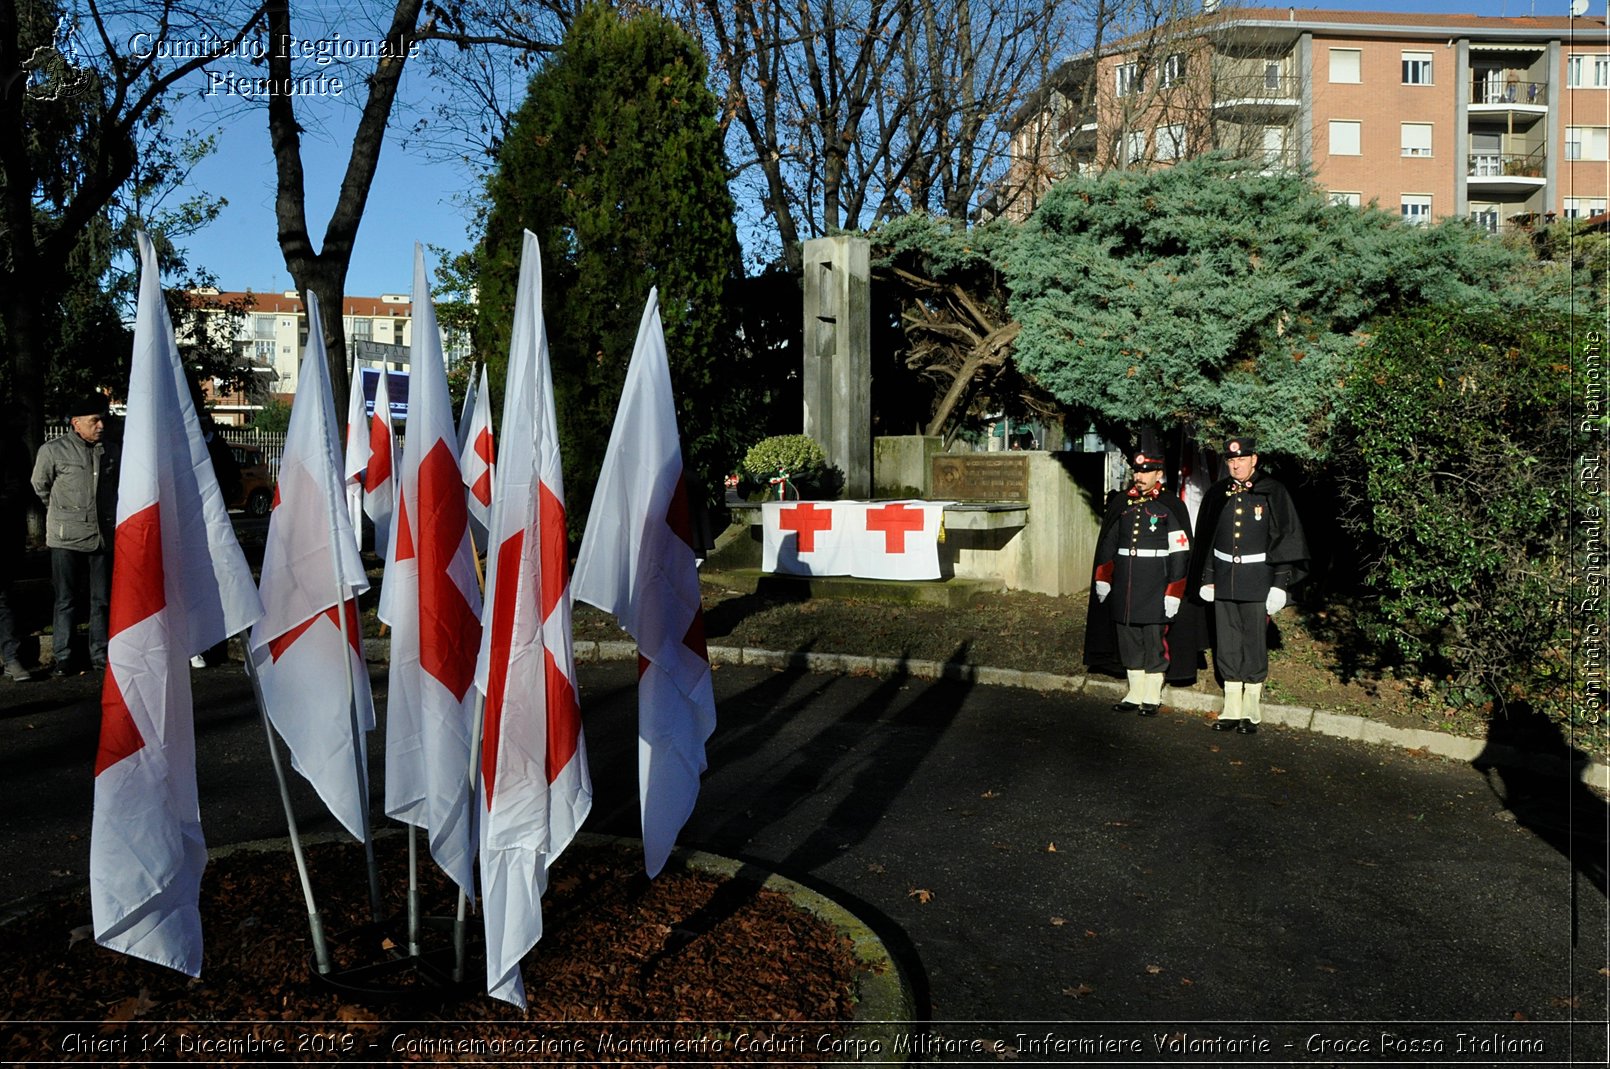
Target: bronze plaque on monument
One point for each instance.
(979, 477)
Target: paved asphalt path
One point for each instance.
(1040, 858)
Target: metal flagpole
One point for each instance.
(413, 891)
(321, 952)
(460, 924)
(359, 765)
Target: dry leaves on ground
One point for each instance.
(616, 948)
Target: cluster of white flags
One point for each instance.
(181, 584)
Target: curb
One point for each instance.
(1319, 721)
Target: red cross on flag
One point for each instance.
(637, 561)
(476, 455)
(432, 602)
(309, 662)
(180, 585)
(379, 478)
(534, 778)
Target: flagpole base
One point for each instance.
(383, 971)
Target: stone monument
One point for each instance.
(838, 356)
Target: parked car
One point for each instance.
(256, 481)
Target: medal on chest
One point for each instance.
(1257, 513)
(1152, 521)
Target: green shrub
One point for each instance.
(799, 458)
(1457, 459)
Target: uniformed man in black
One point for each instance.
(1141, 558)
(1250, 550)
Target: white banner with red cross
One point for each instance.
(866, 539)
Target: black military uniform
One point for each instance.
(1250, 550)
(1142, 555)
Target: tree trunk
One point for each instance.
(325, 272)
(990, 352)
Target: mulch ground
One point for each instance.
(618, 953)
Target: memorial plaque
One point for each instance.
(979, 477)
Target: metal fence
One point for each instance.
(272, 443)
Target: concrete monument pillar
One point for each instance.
(838, 356)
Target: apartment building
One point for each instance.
(268, 331)
(1504, 121)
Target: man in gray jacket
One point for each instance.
(76, 477)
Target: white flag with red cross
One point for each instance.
(380, 477)
(806, 537)
(637, 561)
(896, 539)
(432, 602)
(534, 778)
(866, 539)
(180, 585)
(356, 457)
(477, 455)
(309, 661)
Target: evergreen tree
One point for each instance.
(1466, 466)
(615, 162)
(1214, 296)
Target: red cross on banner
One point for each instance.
(894, 521)
(806, 520)
(1181, 541)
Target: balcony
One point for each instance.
(1505, 172)
(1502, 97)
(1256, 98)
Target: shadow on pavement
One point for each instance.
(1552, 803)
(878, 774)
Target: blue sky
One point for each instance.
(415, 199)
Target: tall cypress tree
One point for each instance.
(615, 162)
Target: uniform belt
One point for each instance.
(1144, 552)
(1241, 558)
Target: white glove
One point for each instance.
(1102, 590)
(1171, 605)
(1206, 593)
(1275, 601)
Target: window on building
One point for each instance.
(1417, 68)
(363, 328)
(1345, 64)
(1583, 207)
(1485, 217)
(1171, 141)
(1172, 71)
(1587, 143)
(262, 326)
(1130, 78)
(1345, 137)
(1416, 209)
(1416, 138)
(1274, 146)
(1271, 75)
(1134, 146)
(1587, 72)
(1352, 200)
